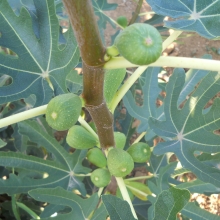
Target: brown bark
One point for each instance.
(83, 21)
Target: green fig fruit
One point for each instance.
(100, 177)
(122, 21)
(120, 139)
(78, 137)
(119, 162)
(96, 157)
(139, 43)
(140, 152)
(63, 111)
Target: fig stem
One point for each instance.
(34, 112)
(83, 20)
(23, 116)
(139, 137)
(100, 191)
(176, 62)
(28, 210)
(136, 13)
(125, 194)
(140, 178)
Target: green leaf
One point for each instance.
(191, 128)
(74, 82)
(156, 162)
(38, 58)
(117, 208)
(58, 174)
(81, 208)
(198, 186)
(100, 213)
(141, 208)
(194, 212)
(169, 203)
(193, 77)
(148, 109)
(2, 143)
(140, 190)
(112, 81)
(99, 7)
(61, 171)
(199, 16)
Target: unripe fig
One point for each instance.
(122, 20)
(140, 152)
(96, 157)
(78, 137)
(140, 44)
(119, 162)
(120, 139)
(100, 177)
(63, 111)
(112, 51)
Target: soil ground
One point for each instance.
(189, 45)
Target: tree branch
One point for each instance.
(136, 13)
(85, 27)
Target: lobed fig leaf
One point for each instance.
(100, 177)
(63, 111)
(140, 152)
(79, 138)
(96, 157)
(140, 44)
(119, 162)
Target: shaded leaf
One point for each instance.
(99, 7)
(198, 186)
(37, 61)
(150, 92)
(112, 81)
(74, 82)
(193, 77)
(100, 213)
(2, 143)
(141, 208)
(115, 206)
(60, 172)
(81, 208)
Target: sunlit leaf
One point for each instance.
(199, 16)
(191, 128)
(194, 212)
(37, 64)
